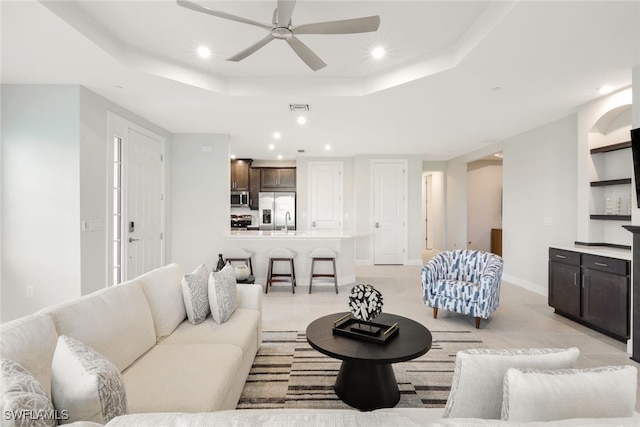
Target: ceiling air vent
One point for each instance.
(300, 151)
(299, 107)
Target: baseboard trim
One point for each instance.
(530, 286)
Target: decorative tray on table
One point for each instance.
(378, 333)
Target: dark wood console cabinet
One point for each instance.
(591, 289)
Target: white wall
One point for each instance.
(54, 168)
(95, 190)
(40, 197)
(484, 202)
(539, 199)
(200, 198)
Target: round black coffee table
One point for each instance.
(366, 380)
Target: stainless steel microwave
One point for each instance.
(239, 199)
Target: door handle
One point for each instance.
(313, 224)
(377, 225)
(131, 240)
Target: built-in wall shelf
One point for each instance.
(611, 217)
(612, 147)
(606, 182)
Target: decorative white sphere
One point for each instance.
(242, 272)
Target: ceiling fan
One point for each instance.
(282, 29)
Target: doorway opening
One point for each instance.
(484, 204)
(433, 223)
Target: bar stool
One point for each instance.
(323, 254)
(239, 255)
(284, 255)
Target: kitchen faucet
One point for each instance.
(287, 217)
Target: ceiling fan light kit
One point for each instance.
(287, 32)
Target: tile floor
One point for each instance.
(523, 318)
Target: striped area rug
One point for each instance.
(288, 373)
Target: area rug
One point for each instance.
(288, 373)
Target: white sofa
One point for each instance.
(178, 374)
(167, 364)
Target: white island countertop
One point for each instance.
(291, 234)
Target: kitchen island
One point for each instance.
(260, 242)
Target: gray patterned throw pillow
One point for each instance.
(85, 384)
(196, 294)
(223, 294)
(24, 402)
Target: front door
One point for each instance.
(142, 229)
(389, 208)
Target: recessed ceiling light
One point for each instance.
(204, 52)
(279, 156)
(378, 52)
(498, 155)
(272, 147)
(302, 120)
(233, 156)
(276, 135)
(327, 147)
(605, 89)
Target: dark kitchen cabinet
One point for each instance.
(605, 293)
(240, 174)
(254, 187)
(564, 281)
(278, 179)
(591, 289)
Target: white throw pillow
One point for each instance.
(23, 401)
(223, 294)
(195, 293)
(85, 384)
(548, 395)
(476, 390)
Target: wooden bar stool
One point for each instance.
(283, 255)
(323, 254)
(239, 255)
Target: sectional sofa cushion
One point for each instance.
(223, 294)
(163, 288)
(116, 322)
(477, 386)
(547, 395)
(182, 378)
(31, 342)
(23, 400)
(242, 329)
(86, 384)
(196, 294)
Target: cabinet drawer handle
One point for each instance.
(575, 279)
(601, 264)
(561, 256)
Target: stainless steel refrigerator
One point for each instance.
(273, 209)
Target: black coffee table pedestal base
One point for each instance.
(367, 386)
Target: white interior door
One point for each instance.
(143, 203)
(389, 207)
(325, 195)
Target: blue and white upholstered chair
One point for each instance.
(465, 281)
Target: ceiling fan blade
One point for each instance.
(311, 59)
(347, 26)
(251, 49)
(285, 10)
(198, 8)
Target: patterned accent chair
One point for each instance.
(465, 281)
